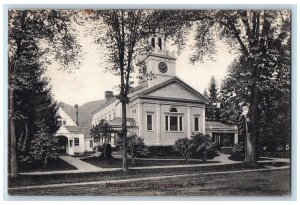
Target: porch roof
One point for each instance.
(74, 129)
(218, 126)
(118, 122)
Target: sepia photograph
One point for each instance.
(149, 102)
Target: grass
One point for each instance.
(26, 180)
(116, 162)
(53, 165)
(277, 154)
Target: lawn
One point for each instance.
(53, 165)
(116, 162)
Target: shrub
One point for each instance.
(238, 152)
(135, 147)
(162, 151)
(184, 147)
(203, 147)
(106, 151)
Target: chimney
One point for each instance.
(109, 95)
(76, 115)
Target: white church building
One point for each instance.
(165, 108)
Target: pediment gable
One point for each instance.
(174, 89)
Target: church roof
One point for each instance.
(133, 91)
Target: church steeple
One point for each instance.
(160, 61)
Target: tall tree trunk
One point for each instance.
(250, 149)
(13, 157)
(124, 137)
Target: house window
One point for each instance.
(71, 143)
(91, 143)
(196, 124)
(144, 70)
(76, 141)
(64, 122)
(149, 122)
(59, 120)
(114, 115)
(134, 112)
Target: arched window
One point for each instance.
(174, 120)
(159, 43)
(173, 109)
(153, 42)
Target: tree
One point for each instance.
(212, 111)
(233, 93)
(102, 132)
(43, 148)
(125, 35)
(205, 94)
(260, 36)
(26, 30)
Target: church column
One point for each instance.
(140, 114)
(203, 120)
(236, 136)
(158, 125)
(189, 132)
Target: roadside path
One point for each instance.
(146, 178)
(79, 164)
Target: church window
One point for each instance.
(174, 120)
(91, 143)
(159, 43)
(149, 122)
(167, 122)
(153, 42)
(114, 115)
(71, 143)
(196, 124)
(173, 109)
(173, 123)
(180, 123)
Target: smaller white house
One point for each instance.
(71, 136)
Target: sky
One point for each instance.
(90, 81)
